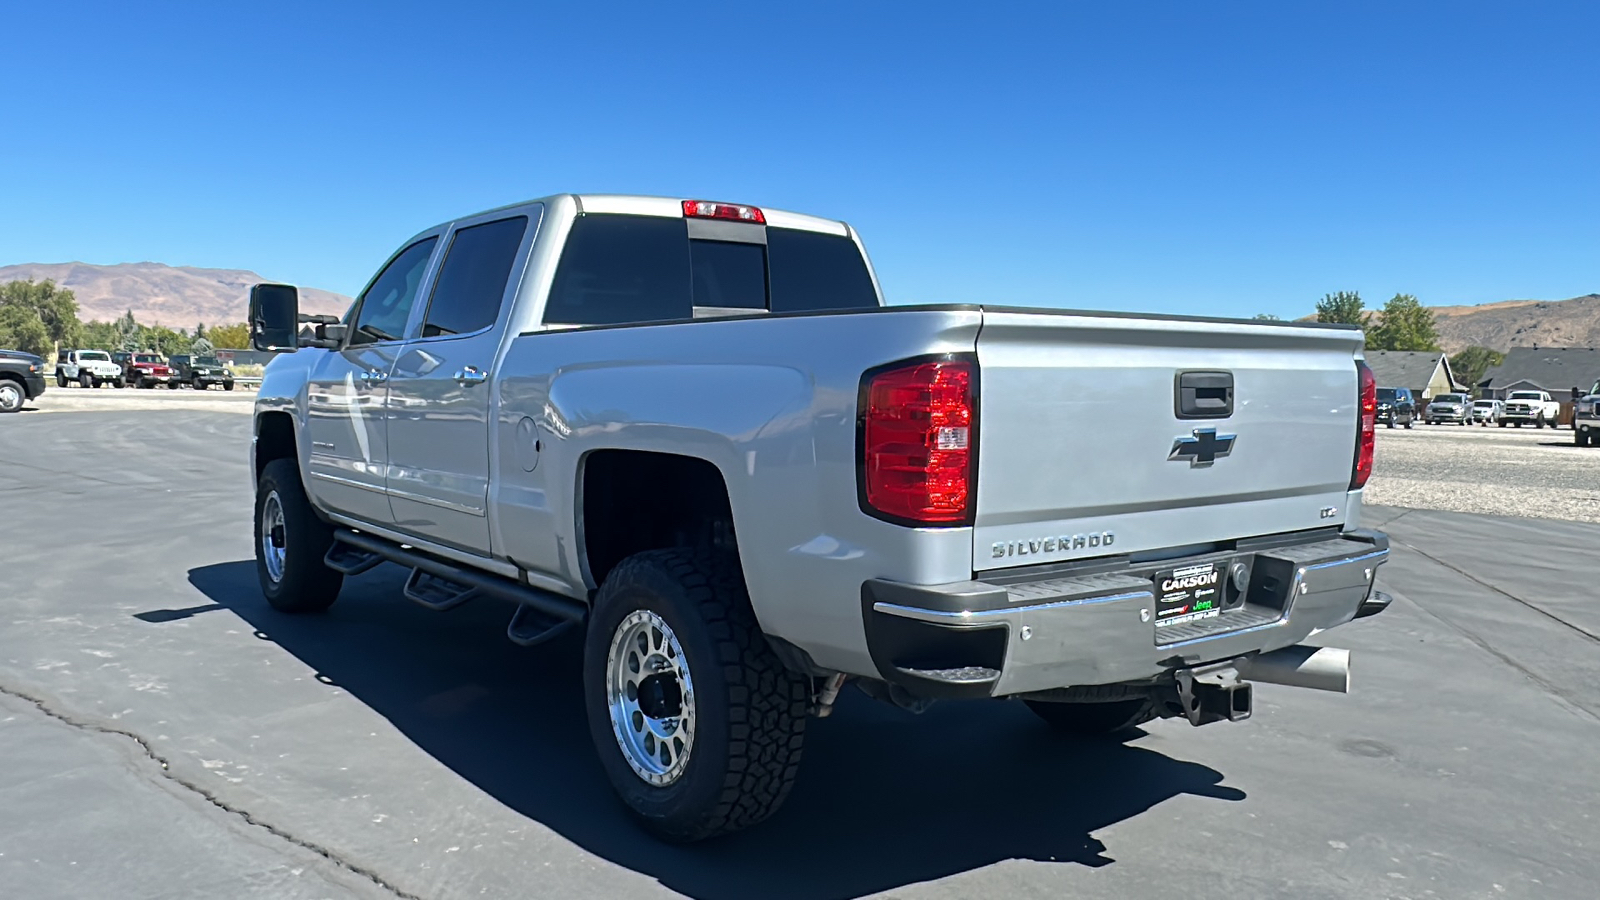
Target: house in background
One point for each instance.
(1426, 372)
(1554, 369)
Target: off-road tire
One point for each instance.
(227, 385)
(173, 384)
(307, 584)
(1093, 719)
(199, 385)
(1579, 438)
(750, 711)
(61, 380)
(85, 380)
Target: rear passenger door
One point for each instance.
(441, 388)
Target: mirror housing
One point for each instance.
(274, 317)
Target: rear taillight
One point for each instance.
(918, 440)
(1366, 425)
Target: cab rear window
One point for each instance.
(621, 269)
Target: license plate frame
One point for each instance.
(1189, 593)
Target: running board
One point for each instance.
(530, 626)
(348, 560)
(550, 604)
(437, 593)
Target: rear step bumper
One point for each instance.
(984, 639)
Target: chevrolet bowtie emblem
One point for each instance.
(1203, 448)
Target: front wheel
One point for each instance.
(11, 396)
(1093, 719)
(85, 380)
(291, 543)
(199, 385)
(697, 723)
(227, 385)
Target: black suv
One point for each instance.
(1396, 406)
(199, 372)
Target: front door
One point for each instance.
(441, 387)
(348, 392)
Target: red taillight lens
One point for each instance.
(918, 443)
(1366, 426)
(702, 209)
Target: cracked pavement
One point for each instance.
(385, 750)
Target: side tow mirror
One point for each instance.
(274, 317)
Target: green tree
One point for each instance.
(99, 336)
(201, 347)
(21, 329)
(127, 336)
(200, 331)
(1344, 308)
(1470, 364)
(1404, 324)
(54, 308)
(230, 337)
(1267, 317)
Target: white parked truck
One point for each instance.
(1533, 407)
(693, 432)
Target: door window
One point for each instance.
(472, 280)
(385, 307)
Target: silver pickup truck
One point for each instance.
(694, 432)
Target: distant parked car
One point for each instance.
(1486, 411)
(21, 379)
(199, 372)
(144, 370)
(1455, 408)
(1586, 418)
(89, 368)
(1396, 406)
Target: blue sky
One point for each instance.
(1212, 158)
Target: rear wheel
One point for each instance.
(291, 543)
(698, 725)
(61, 380)
(1093, 719)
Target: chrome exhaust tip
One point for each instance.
(1317, 668)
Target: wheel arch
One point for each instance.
(630, 501)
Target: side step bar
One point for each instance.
(548, 604)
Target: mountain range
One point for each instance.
(182, 296)
(158, 294)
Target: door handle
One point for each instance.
(374, 376)
(471, 375)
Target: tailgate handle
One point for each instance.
(1204, 395)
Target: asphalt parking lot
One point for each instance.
(164, 734)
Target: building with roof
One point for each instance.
(1426, 372)
(1554, 369)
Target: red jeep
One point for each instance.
(145, 370)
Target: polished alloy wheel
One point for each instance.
(272, 537)
(651, 698)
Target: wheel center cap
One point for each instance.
(661, 697)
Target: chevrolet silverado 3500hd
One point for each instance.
(693, 431)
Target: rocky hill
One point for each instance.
(1521, 323)
(174, 296)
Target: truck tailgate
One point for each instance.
(1082, 452)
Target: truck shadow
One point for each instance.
(884, 799)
